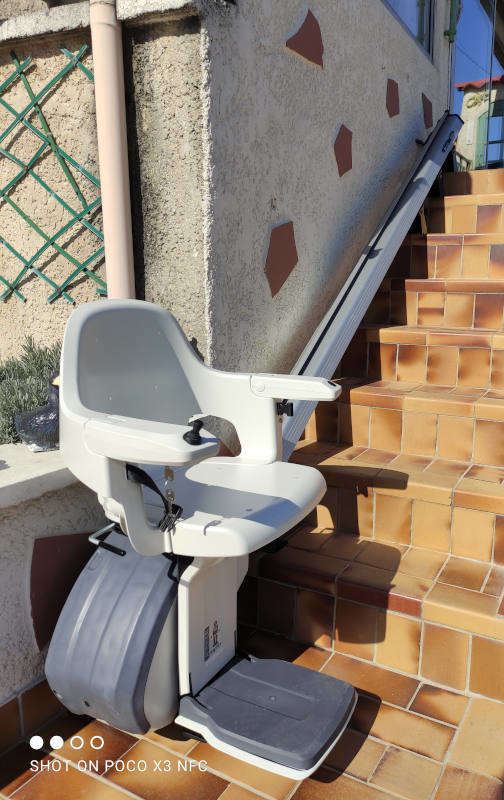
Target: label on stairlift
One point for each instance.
(211, 639)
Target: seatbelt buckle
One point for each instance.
(171, 517)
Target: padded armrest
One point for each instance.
(293, 387)
(146, 442)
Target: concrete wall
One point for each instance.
(231, 134)
(166, 165)
(70, 510)
(271, 121)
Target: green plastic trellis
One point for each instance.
(80, 216)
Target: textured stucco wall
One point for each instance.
(69, 111)
(272, 118)
(231, 134)
(165, 123)
(71, 510)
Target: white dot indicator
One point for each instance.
(56, 742)
(97, 742)
(36, 742)
(77, 742)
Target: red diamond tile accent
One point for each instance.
(307, 42)
(282, 256)
(392, 98)
(427, 111)
(343, 150)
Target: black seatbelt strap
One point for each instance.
(172, 510)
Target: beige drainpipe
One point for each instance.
(112, 147)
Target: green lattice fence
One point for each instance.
(78, 216)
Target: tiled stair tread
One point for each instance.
(419, 582)
(408, 476)
(465, 200)
(427, 398)
(454, 238)
(410, 334)
(472, 182)
(450, 285)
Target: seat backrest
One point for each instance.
(129, 363)
(127, 358)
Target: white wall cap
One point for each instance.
(174, 9)
(25, 475)
(72, 17)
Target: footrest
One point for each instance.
(271, 713)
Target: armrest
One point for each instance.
(294, 387)
(145, 441)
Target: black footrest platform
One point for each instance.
(273, 710)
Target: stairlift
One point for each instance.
(148, 633)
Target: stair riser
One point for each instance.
(484, 181)
(416, 517)
(468, 434)
(472, 365)
(473, 218)
(479, 311)
(446, 654)
(451, 257)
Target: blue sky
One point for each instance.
(473, 45)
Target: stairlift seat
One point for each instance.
(148, 633)
(232, 509)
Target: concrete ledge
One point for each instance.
(55, 20)
(25, 475)
(75, 16)
(173, 9)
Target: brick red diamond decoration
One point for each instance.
(307, 42)
(282, 256)
(427, 111)
(343, 150)
(392, 98)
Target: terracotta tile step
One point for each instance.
(471, 303)
(484, 215)
(473, 182)
(444, 255)
(415, 419)
(434, 335)
(454, 238)
(409, 608)
(449, 506)
(452, 286)
(418, 397)
(457, 357)
(450, 200)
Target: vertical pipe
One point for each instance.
(108, 68)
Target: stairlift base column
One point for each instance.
(207, 618)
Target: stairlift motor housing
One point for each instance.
(148, 633)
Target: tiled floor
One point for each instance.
(407, 739)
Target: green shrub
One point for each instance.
(24, 384)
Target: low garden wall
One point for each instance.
(45, 517)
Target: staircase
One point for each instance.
(402, 564)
